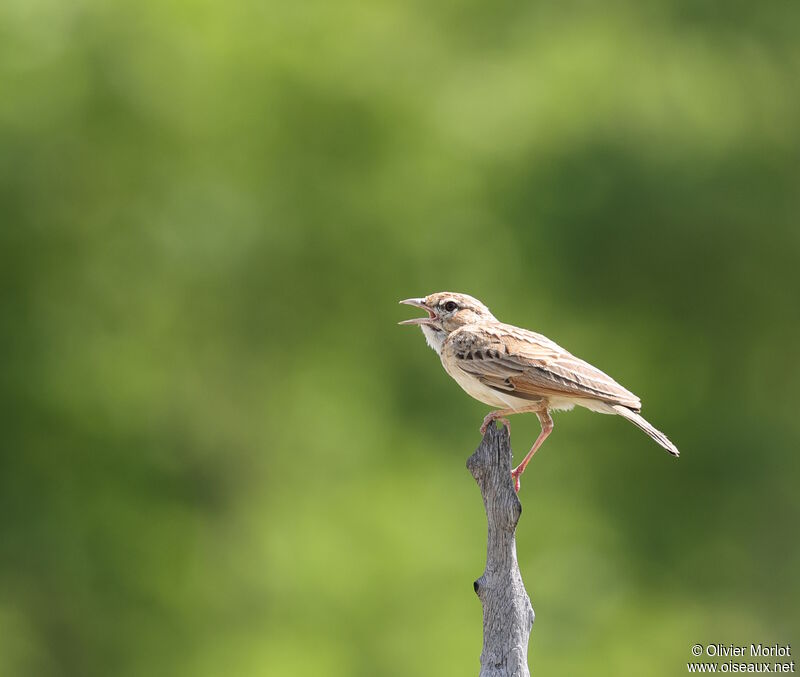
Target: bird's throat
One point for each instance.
(434, 337)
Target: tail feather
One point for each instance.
(642, 424)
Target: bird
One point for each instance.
(519, 371)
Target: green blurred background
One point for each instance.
(221, 456)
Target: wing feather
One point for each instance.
(510, 359)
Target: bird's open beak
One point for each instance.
(419, 303)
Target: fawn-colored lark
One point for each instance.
(518, 370)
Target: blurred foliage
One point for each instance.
(221, 455)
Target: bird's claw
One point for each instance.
(490, 418)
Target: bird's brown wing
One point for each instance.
(529, 365)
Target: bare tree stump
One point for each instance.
(507, 611)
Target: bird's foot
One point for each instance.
(515, 475)
(491, 418)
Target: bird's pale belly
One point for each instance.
(483, 393)
(494, 398)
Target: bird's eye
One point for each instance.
(450, 306)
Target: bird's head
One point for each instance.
(446, 313)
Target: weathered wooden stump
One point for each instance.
(507, 611)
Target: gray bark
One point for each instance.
(507, 611)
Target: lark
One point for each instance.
(519, 371)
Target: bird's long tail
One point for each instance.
(642, 424)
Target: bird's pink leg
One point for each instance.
(499, 415)
(547, 427)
